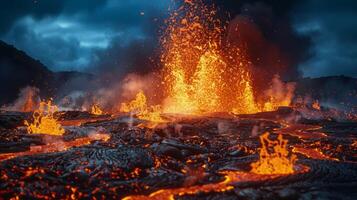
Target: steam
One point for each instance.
(280, 93)
(27, 101)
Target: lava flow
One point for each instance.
(211, 118)
(274, 161)
(44, 121)
(56, 146)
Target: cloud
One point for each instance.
(69, 35)
(332, 26)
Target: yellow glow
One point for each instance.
(44, 121)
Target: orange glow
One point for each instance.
(274, 162)
(274, 157)
(96, 110)
(29, 103)
(354, 144)
(230, 177)
(279, 94)
(44, 121)
(56, 146)
(202, 73)
(316, 105)
(139, 107)
(313, 153)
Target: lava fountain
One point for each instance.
(202, 71)
(140, 109)
(199, 76)
(44, 121)
(274, 157)
(96, 110)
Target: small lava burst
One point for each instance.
(274, 157)
(316, 105)
(44, 121)
(139, 107)
(96, 110)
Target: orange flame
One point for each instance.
(274, 157)
(316, 105)
(139, 107)
(44, 121)
(96, 110)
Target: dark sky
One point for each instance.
(332, 26)
(86, 34)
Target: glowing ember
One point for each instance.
(139, 107)
(316, 105)
(96, 110)
(273, 157)
(44, 121)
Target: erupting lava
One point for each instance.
(44, 121)
(139, 107)
(204, 73)
(316, 105)
(199, 76)
(274, 157)
(96, 110)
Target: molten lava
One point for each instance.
(316, 105)
(44, 121)
(204, 73)
(139, 107)
(274, 157)
(96, 110)
(56, 146)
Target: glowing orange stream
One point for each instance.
(271, 164)
(78, 122)
(56, 146)
(302, 131)
(230, 177)
(313, 153)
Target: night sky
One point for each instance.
(90, 35)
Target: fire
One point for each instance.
(316, 105)
(202, 73)
(44, 121)
(96, 110)
(139, 107)
(274, 157)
